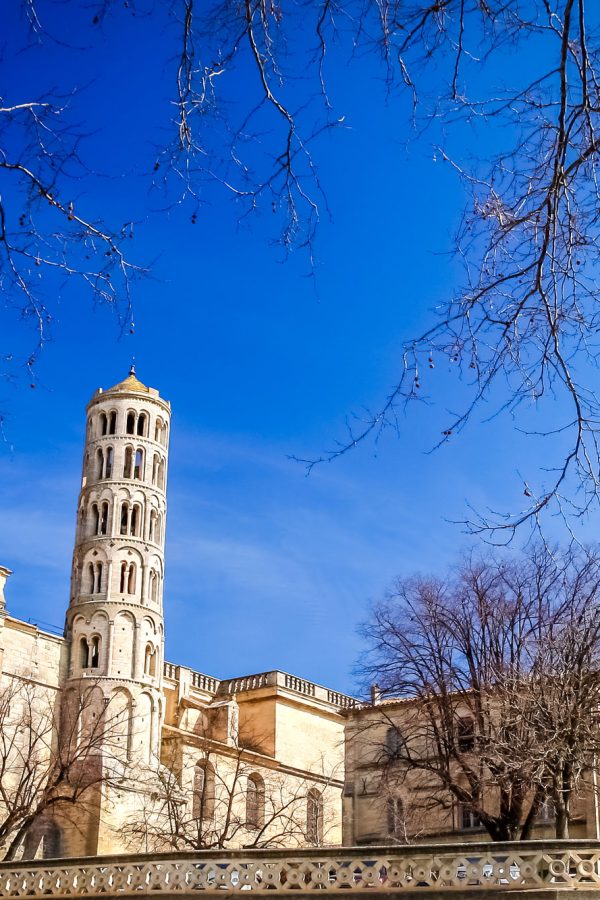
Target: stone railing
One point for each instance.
(528, 866)
(262, 679)
(290, 683)
(205, 682)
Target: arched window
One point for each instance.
(255, 801)
(163, 435)
(394, 742)
(203, 796)
(314, 817)
(90, 578)
(112, 423)
(138, 465)
(153, 586)
(99, 463)
(83, 653)
(95, 519)
(152, 528)
(94, 652)
(150, 661)
(141, 424)
(98, 578)
(104, 518)
(158, 430)
(124, 517)
(136, 518)
(396, 826)
(155, 465)
(161, 475)
(130, 427)
(103, 424)
(123, 580)
(109, 462)
(158, 532)
(128, 463)
(131, 579)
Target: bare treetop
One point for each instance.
(251, 102)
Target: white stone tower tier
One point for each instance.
(115, 616)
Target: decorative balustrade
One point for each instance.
(261, 680)
(247, 683)
(205, 682)
(171, 671)
(342, 700)
(465, 868)
(299, 685)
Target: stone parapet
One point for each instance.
(534, 869)
(259, 681)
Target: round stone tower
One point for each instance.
(115, 618)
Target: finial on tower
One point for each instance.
(132, 366)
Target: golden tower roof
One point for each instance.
(131, 383)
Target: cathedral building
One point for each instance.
(153, 755)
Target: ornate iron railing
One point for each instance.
(466, 868)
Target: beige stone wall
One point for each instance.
(371, 780)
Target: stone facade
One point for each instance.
(385, 803)
(256, 760)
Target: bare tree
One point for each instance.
(227, 797)
(54, 756)
(519, 330)
(51, 239)
(498, 665)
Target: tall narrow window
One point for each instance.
(155, 465)
(255, 801)
(95, 519)
(135, 520)
(83, 653)
(203, 795)
(138, 465)
(99, 463)
(150, 661)
(98, 578)
(314, 817)
(128, 462)
(153, 586)
(94, 652)
(157, 430)
(158, 528)
(131, 579)
(465, 734)
(161, 475)
(104, 519)
(395, 817)
(103, 424)
(124, 518)
(112, 423)
(90, 575)
(109, 462)
(152, 528)
(141, 425)
(394, 742)
(123, 580)
(130, 427)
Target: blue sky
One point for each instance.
(266, 568)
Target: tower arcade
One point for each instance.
(115, 618)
